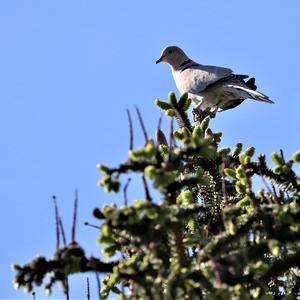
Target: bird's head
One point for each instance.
(172, 55)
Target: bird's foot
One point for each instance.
(199, 115)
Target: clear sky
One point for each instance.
(68, 71)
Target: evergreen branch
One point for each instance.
(211, 236)
(182, 118)
(225, 241)
(177, 231)
(280, 266)
(281, 179)
(68, 260)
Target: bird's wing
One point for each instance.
(203, 76)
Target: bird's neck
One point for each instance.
(183, 65)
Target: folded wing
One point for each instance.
(205, 76)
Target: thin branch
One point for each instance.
(282, 155)
(56, 223)
(62, 231)
(74, 216)
(91, 225)
(159, 121)
(142, 124)
(130, 130)
(160, 136)
(33, 295)
(146, 189)
(262, 170)
(88, 297)
(226, 241)
(275, 194)
(66, 288)
(122, 284)
(125, 199)
(98, 285)
(223, 180)
(171, 142)
(266, 184)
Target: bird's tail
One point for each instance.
(253, 94)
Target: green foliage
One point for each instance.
(163, 105)
(238, 149)
(204, 124)
(277, 159)
(296, 157)
(177, 109)
(210, 235)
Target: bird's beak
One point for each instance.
(159, 60)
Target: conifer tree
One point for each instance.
(209, 236)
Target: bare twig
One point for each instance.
(91, 225)
(59, 226)
(146, 189)
(88, 297)
(159, 121)
(160, 136)
(56, 223)
(130, 130)
(223, 180)
(282, 155)
(125, 199)
(266, 184)
(122, 284)
(275, 193)
(62, 231)
(67, 288)
(142, 124)
(74, 216)
(171, 142)
(33, 295)
(98, 285)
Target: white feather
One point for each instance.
(253, 94)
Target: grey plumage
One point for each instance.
(209, 86)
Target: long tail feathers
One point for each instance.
(253, 94)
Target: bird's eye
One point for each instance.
(170, 51)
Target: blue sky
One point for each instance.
(68, 71)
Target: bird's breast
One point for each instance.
(186, 81)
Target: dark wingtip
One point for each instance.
(251, 84)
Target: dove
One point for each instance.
(209, 87)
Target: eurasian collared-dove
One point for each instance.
(209, 86)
